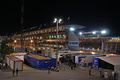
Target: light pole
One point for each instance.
(22, 23)
(15, 41)
(57, 21)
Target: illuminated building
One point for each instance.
(43, 38)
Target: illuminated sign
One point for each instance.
(73, 43)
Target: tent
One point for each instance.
(40, 61)
(112, 62)
(89, 58)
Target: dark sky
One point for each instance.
(93, 14)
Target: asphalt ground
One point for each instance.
(34, 74)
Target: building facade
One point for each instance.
(111, 46)
(42, 38)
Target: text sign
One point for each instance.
(73, 43)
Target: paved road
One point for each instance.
(33, 74)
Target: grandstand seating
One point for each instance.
(92, 43)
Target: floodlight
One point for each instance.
(94, 32)
(72, 29)
(55, 20)
(80, 33)
(60, 20)
(103, 32)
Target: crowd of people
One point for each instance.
(92, 43)
(3, 64)
(109, 74)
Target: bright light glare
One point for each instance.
(34, 49)
(93, 52)
(15, 41)
(80, 33)
(81, 51)
(103, 32)
(31, 41)
(72, 29)
(94, 32)
(60, 20)
(112, 54)
(55, 20)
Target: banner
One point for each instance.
(73, 43)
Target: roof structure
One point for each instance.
(39, 57)
(114, 60)
(75, 26)
(14, 58)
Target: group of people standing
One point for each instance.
(3, 64)
(13, 71)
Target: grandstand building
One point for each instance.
(44, 38)
(111, 46)
(92, 43)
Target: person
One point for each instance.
(100, 72)
(4, 65)
(115, 75)
(89, 71)
(112, 75)
(58, 63)
(74, 66)
(63, 67)
(52, 68)
(71, 67)
(48, 70)
(13, 71)
(17, 72)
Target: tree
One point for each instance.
(5, 49)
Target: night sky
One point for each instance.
(93, 14)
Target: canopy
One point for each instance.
(114, 60)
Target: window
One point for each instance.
(54, 36)
(49, 37)
(40, 37)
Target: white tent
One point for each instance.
(113, 60)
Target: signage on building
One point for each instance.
(73, 43)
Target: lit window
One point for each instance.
(50, 37)
(41, 37)
(54, 36)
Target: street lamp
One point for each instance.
(15, 41)
(31, 41)
(57, 21)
